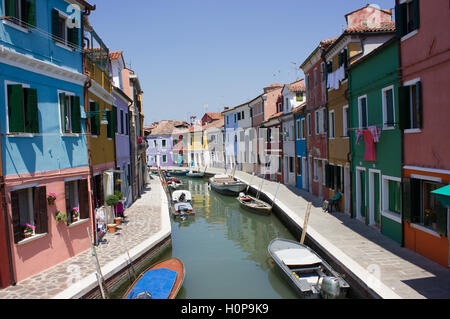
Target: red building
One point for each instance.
(5, 274)
(316, 119)
(422, 27)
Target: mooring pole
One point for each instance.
(305, 224)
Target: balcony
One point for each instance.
(98, 62)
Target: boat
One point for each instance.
(177, 173)
(193, 174)
(226, 185)
(254, 205)
(182, 203)
(306, 272)
(161, 281)
(174, 183)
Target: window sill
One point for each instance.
(33, 238)
(409, 35)
(413, 130)
(16, 26)
(83, 221)
(425, 229)
(392, 216)
(63, 46)
(388, 128)
(70, 135)
(26, 135)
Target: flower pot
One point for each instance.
(118, 220)
(27, 235)
(111, 228)
(75, 219)
(51, 202)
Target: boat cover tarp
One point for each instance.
(291, 257)
(159, 282)
(184, 206)
(176, 195)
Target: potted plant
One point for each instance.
(112, 201)
(28, 230)
(139, 140)
(75, 212)
(61, 217)
(51, 197)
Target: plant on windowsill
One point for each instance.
(51, 198)
(75, 212)
(139, 140)
(28, 230)
(61, 217)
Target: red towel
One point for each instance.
(371, 149)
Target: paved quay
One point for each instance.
(147, 223)
(389, 270)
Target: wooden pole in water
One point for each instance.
(249, 183)
(100, 279)
(276, 193)
(305, 224)
(260, 188)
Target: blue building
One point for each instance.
(301, 171)
(231, 139)
(43, 142)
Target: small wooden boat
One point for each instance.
(254, 205)
(174, 183)
(306, 272)
(193, 174)
(226, 185)
(177, 173)
(182, 203)
(161, 281)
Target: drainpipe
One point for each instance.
(7, 230)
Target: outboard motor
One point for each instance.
(330, 289)
(144, 295)
(182, 197)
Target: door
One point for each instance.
(376, 199)
(362, 197)
(321, 177)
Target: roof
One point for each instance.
(299, 108)
(369, 5)
(324, 44)
(163, 128)
(86, 4)
(216, 124)
(215, 116)
(297, 86)
(115, 55)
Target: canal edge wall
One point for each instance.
(359, 278)
(116, 271)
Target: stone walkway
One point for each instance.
(143, 219)
(376, 259)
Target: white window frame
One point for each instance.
(384, 103)
(67, 93)
(385, 212)
(360, 119)
(413, 32)
(331, 125)
(345, 121)
(13, 24)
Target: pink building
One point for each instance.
(423, 28)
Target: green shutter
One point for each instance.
(400, 19)
(76, 114)
(31, 111)
(110, 126)
(94, 119)
(10, 8)
(419, 105)
(441, 220)
(29, 12)
(404, 107)
(55, 24)
(73, 37)
(15, 108)
(416, 6)
(115, 119)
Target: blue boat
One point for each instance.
(161, 281)
(177, 173)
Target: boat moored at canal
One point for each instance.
(307, 273)
(182, 203)
(227, 185)
(254, 205)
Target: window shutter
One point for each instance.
(83, 196)
(29, 12)
(15, 108)
(10, 8)
(110, 126)
(55, 24)
(411, 197)
(76, 114)
(419, 102)
(31, 111)
(40, 210)
(73, 37)
(327, 175)
(400, 19)
(404, 104)
(416, 6)
(67, 195)
(95, 120)
(17, 229)
(115, 119)
(441, 220)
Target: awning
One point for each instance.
(443, 195)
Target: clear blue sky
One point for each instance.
(192, 53)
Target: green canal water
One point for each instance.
(224, 249)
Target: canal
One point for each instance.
(224, 249)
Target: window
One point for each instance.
(394, 197)
(69, 108)
(299, 96)
(239, 116)
(388, 107)
(280, 107)
(23, 114)
(298, 130)
(110, 128)
(362, 112)
(72, 199)
(64, 32)
(317, 116)
(309, 124)
(164, 158)
(29, 207)
(95, 120)
(235, 117)
(411, 106)
(155, 143)
(332, 128)
(333, 178)
(407, 17)
(303, 129)
(21, 12)
(121, 123)
(324, 119)
(316, 176)
(323, 71)
(316, 80)
(345, 121)
(308, 87)
(291, 165)
(163, 143)
(343, 59)
(243, 115)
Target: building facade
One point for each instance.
(424, 116)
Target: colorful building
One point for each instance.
(301, 160)
(367, 29)
(424, 115)
(43, 133)
(375, 143)
(315, 122)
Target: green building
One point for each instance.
(375, 140)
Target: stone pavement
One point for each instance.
(390, 270)
(143, 219)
